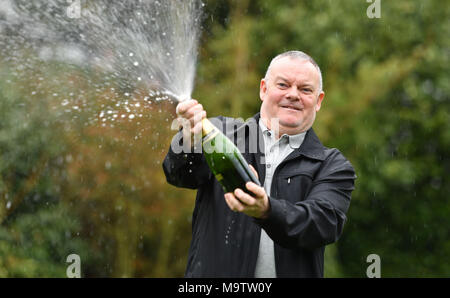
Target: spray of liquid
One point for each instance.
(146, 46)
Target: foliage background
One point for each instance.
(69, 184)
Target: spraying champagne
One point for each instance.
(223, 157)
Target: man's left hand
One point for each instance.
(256, 206)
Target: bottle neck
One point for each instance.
(207, 127)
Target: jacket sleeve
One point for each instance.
(185, 169)
(319, 219)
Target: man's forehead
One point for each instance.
(286, 63)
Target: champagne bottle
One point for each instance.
(224, 159)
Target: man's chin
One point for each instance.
(293, 127)
(290, 122)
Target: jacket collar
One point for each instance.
(311, 146)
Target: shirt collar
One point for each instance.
(295, 141)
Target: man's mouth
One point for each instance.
(290, 107)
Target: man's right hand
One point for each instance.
(190, 114)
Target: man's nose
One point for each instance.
(293, 93)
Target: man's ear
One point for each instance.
(319, 100)
(262, 89)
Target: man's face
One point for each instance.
(291, 94)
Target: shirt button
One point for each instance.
(268, 166)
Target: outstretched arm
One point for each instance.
(184, 164)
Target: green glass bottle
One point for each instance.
(224, 159)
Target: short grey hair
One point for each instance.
(297, 55)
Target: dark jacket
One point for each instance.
(310, 195)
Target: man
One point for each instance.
(280, 229)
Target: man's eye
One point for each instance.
(282, 85)
(307, 90)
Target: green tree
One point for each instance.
(37, 232)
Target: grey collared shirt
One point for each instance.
(275, 152)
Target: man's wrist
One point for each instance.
(266, 213)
